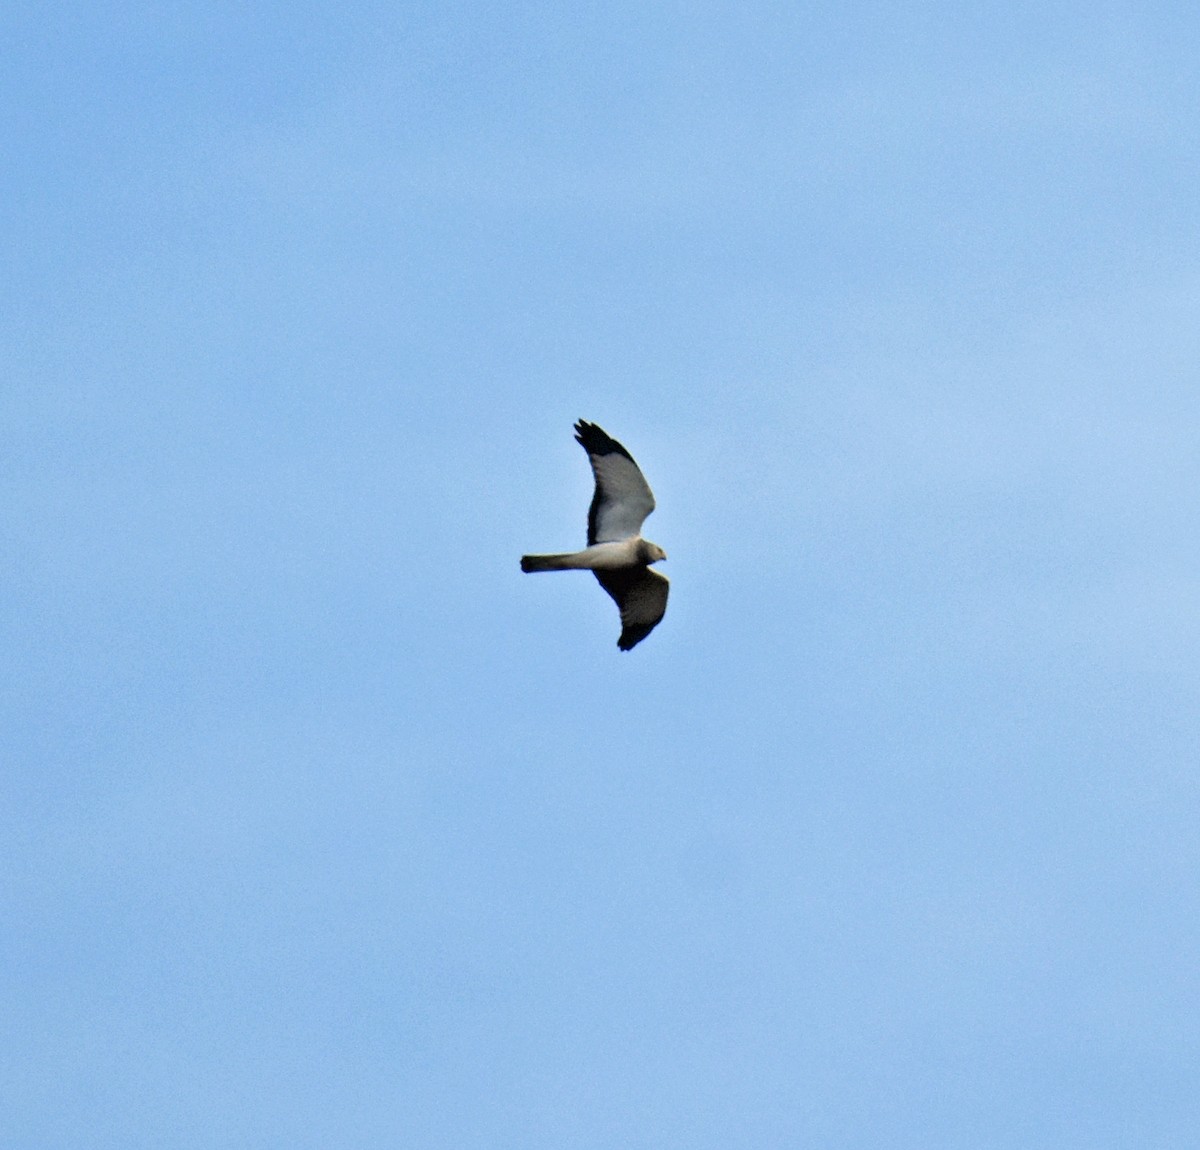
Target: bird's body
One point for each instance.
(615, 556)
(616, 552)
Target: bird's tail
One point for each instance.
(550, 562)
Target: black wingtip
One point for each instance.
(596, 441)
(632, 636)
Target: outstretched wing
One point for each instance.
(623, 498)
(641, 594)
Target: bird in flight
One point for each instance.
(616, 552)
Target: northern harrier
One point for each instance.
(616, 552)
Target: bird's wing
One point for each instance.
(623, 498)
(641, 594)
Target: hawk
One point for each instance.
(616, 552)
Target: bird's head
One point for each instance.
(653, 552)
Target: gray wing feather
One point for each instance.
(622, 498)
(641, 595)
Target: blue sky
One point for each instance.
(323, 826)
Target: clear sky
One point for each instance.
(323, 826)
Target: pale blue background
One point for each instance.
(322, 826)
